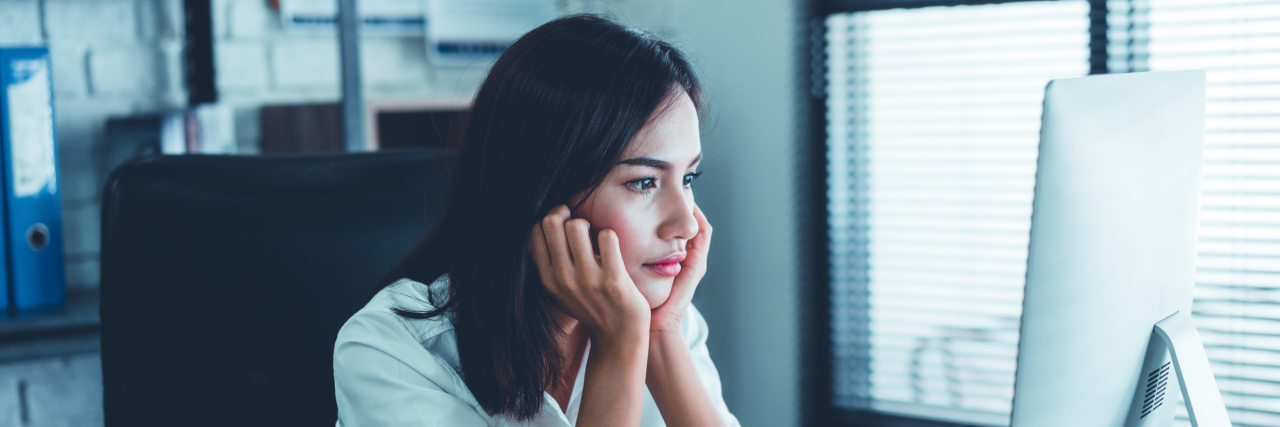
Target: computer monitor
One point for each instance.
(1112, 253)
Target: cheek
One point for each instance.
(631, 234)
(637, 237)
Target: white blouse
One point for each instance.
(393, 371)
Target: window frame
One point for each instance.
(816, 362)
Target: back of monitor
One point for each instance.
(1112, 244)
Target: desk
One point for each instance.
(50, 366)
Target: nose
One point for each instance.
(677, 216)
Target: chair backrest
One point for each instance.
(225, 279)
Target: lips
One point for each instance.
(669, 266)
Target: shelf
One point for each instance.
(71, 329)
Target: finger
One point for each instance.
(704, 227)
(553, 231)
(695, 263)
(701, 241)
(681, 295)
(610, 253)
(578, 231)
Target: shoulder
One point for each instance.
(426, 346)
(377, 323)
(387, 368)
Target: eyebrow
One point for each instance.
(655, 163)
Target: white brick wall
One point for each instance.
(69, 65)
(114, 72)
(241, 69)
(19, 22)
(389, 65)
(248, 19)
(81, 121)
(65, 391)
(159, 19)
(91, 21)
(309, 65)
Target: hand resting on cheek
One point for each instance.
(590, 288)
(593, 289)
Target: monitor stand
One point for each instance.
(1176, 337)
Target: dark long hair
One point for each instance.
(549, 122)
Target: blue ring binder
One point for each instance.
(32, 246)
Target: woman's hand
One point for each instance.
(670, 374)
(598, 293)
(602, 297)
(666, 318)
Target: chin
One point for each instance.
(655, 291)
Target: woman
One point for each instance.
(562, 269)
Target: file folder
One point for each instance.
(32, 245)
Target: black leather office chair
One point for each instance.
(225, 279)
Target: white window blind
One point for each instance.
(933, 126)
(1237, 291)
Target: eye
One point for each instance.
(689, 177)
(643, 184)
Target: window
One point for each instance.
(933, 126)
(1237, 291)
(929, 139)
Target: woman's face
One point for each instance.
(647, 199)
